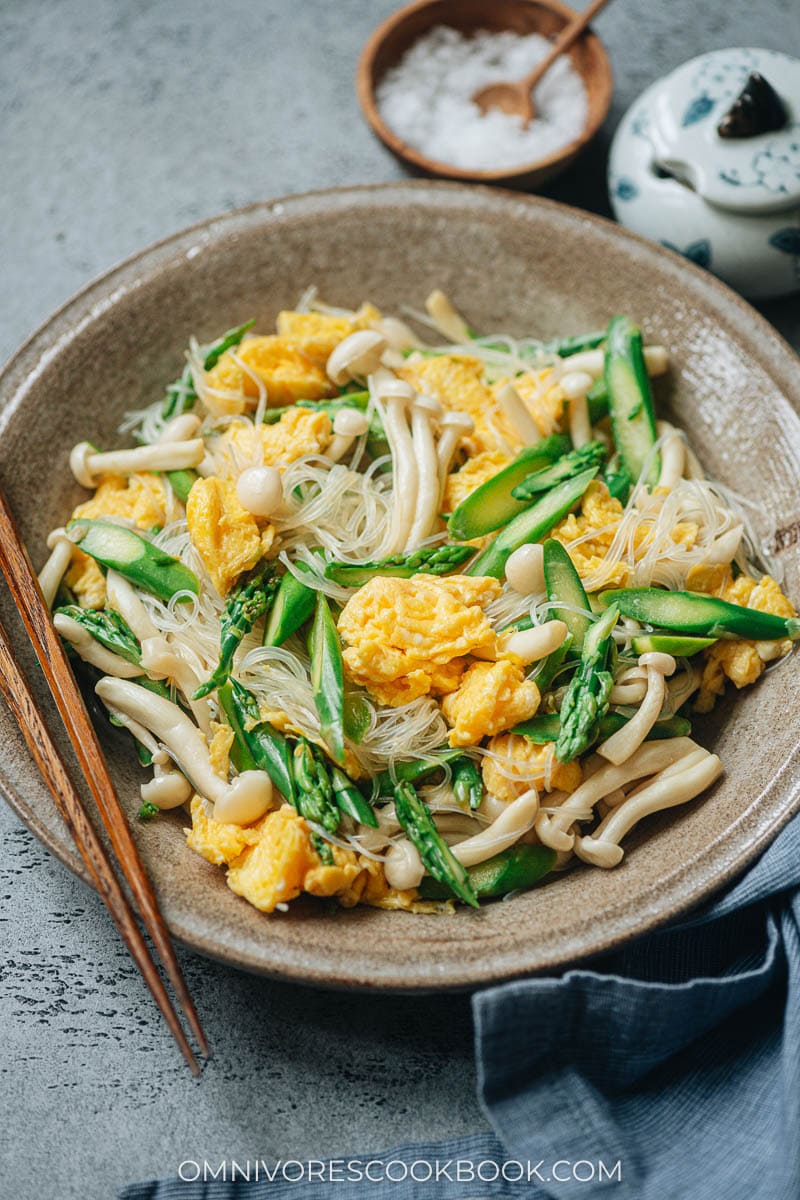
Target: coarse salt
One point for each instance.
(427, 99)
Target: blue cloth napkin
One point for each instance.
(674, 1063)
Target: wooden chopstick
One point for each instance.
(16, 690)
(24, 586)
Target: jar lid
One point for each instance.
(757, 173)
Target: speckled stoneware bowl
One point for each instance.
(511, 263)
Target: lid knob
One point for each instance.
(757, 109)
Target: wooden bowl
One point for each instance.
(397, 33)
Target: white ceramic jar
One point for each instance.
(731, 204)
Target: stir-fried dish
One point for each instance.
(409, 624)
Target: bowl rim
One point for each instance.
(686, 890)
(365, 91)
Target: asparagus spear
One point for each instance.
(108, 628)
(617, 479)
(256, 745)
(564, 587)
(331, 407)
(138, 560)
(705, 616)
(630, 398)
(439, 861)
(293, 605)
(433, 560)
(586, 700)
(467, 782)
(245, 604)
(350, 800)
(327, 677)
(181, 394)
(519, 867)
(314, 797)
(591, 455)
(414, 770)
(492, 505)
(547, 727)
(566, 347)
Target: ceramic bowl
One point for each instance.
(734, 384)
(397, 33)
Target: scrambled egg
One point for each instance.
(520, 764)
(283, 863)
(456, 381)
(140, 498)
(225, 535)
(407, 637)
(220, 747)
(475, 471)
(492, 696)
(287, 373)
(597, 521)
(543, 400)
(216, 841)
(737, 659)
(300, 431)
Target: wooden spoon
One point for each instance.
(516, 98)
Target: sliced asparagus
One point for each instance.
(108, 628)
(467, 782)
(593, 454)
(491, 505)
(546, 728)
(587, 697)
(433, 560)
(564, 587)
(415, 770)
(439, 861)
(134, 557)
(630, 399)
(697, 614)
(532, 524)
(293, 605)
(249, 600)
(515, 869)
(314, 798)
(327, 677)
(257, 745)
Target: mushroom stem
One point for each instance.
(673, 454)
(446, 317)
(62, 548)
(424, 448)
(683, 781)
(726, 546)
(121, 595)
(654, 756)
(622, 744)
(531, 645)
(244, 800)
(88, 466)
(516, 413)
(167, 789)
(396, 395)
(180, 428)
(452, 428)
(161, 660)
(503, 832)
(580, 427)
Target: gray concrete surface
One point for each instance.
(121, 122)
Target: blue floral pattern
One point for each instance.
(787, 240)
(698, 252)
(775, 168)
(717, 80)
(625, 189)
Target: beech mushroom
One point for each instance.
(531, 645)
(61, 548)
(180, 428)
(398, 335)
(167, 789)
(575, 385)
(653, 756)
(452, 428)
(503, 832)
(91, 651)
(162, 661)
(724, 549)
(357, 356)
(121, 595)
(673, 454)
(622, 744)
(630, 687)
(525, 569)
(241, 802)
(681, 782)
(88, 465)
(517, 415)
(423, 412)
(403, 866)
(260, 490)
(446, 318)
(396, 396)
(348, 424)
